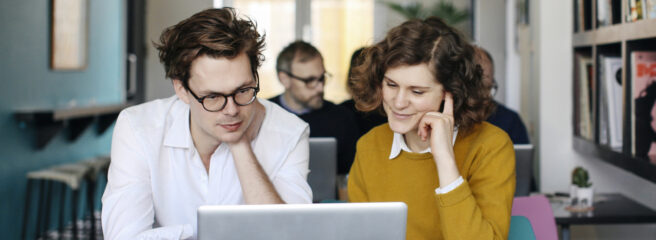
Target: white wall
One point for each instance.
(161, 14)
(490, 33)
(553, 41)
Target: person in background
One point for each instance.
(365, 120)
(301, 71)
(502, 117)
(212, 143)
(454, 170)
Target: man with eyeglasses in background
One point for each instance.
(502, 117)
(301, 71)
(213, 143)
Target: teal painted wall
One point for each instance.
(26, 81)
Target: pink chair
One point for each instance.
(538, 211)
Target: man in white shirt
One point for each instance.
(212, 143)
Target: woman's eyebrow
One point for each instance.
(415, 87)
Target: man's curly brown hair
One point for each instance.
(449, 56)
(212, 32)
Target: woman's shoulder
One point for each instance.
(487, 134)
(376, 138)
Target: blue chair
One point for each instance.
(520, 229)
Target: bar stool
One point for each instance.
(97, 168)
(70, 176)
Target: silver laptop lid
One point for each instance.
(523, 168)
(380, 221)
(323, 168)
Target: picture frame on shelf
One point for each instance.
(69, 35)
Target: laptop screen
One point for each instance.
(323, 168)
(383, 221)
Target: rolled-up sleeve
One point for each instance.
(291, 180)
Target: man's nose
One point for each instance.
(231, 108)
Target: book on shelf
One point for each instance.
(604, 13)
(585, 86)
(587, 14)
(604, 136)
(643, 76)
(616, 11)
(576, 16)
(634, 10)
(582, 15)
(610, 73)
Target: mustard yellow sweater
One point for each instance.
(477, 209)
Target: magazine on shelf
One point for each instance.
(585, 87)
(643, 76)
(610, 71)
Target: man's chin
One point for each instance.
(316, 105)
(230, 137)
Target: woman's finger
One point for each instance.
(448, 104)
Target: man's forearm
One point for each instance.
(255, 184)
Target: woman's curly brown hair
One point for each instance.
(449, 57)
(212, 32)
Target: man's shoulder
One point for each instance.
(333, 111)
(280, 120)
(275, 99)
(152, 113)
(505, 112)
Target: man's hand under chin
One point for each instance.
(253, 128)
(255, 184)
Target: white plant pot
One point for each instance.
(585, 196)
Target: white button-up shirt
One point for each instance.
(157, 179)
(398, 145)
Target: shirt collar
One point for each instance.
(284, 104)
(398, 144)
(178, 134)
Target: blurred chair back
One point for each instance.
(523, 168)
(520, 229)
(323, 168)
(538, 211)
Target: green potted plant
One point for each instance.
(581, 188)
(442, 9)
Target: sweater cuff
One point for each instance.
(455, 196)
(450, 187)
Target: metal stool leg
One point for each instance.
(48, 209)
(40, 207)
(75, 195)
(26, 211)
(91, 205)
(62, 215)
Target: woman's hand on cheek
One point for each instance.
(438, 128)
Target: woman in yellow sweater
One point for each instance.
(455, 172)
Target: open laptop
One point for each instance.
(381, 221)
(523, 168)
(323, 168)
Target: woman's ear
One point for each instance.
(180, 91)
